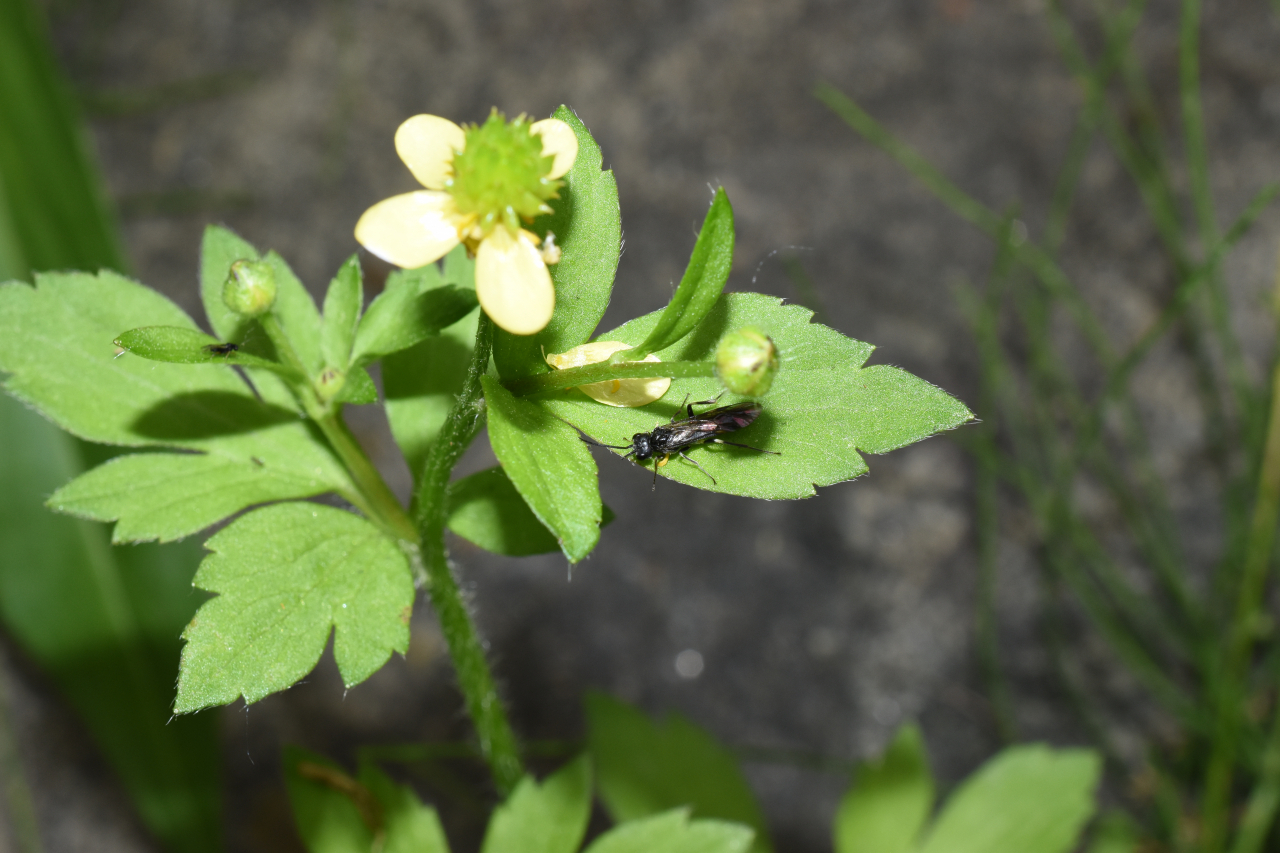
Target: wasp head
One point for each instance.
(642, 445)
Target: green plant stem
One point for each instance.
(560, 380)
(383, 507)
(373, 496)
(497, 741)
(1257, 562)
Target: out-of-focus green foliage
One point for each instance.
(102, 621)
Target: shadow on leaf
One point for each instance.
(208, 414)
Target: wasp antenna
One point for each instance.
(589, 440)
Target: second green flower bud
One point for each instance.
(747, 361)
(250, 288)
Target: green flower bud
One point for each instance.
(747, 361)
(330, 384)
(251, 288)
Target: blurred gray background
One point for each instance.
(822, 624)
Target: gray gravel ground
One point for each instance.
(823, 624)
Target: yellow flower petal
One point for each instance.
(559, 141)
(427, 144)
(512, 283)
(409, 230)
(624, 393)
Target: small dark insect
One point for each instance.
(222, 349)
(670, 439)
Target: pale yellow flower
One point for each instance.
(482, 183)
(624, 393)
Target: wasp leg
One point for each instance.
(747, 446)
(688, 407)
(696, 465)
(657, 463)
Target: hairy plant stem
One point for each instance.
(560, 380)
(497, 741)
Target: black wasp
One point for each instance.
(222, 349)
(670, 439)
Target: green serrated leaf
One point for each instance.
(486, 510)
(644, 768)
(297, 313)
(823, 408)
(890, 800)
(415, 305)
(359, 389)
(550, 467)
(56, 342)
(409, 826)
(1028, 799)
(178, 345)
(420, 384)
(588, 226)
(287, 574)
(702, 283)
(342, 305)
(327, 818)
(166, 496)
(673, 832)
(459, 269)
(220, 248)
(546, 818)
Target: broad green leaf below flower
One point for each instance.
(486, 510)
(543, 818)
(56, 344)
(587, 223)
(549, 466)
(644, 768)
(328, 820)
(286, 576)
(166, 496)
(824, 406)
(674, 832)
(408, 825)
(1027, 798)
(890, 801)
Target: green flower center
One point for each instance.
(501, 175)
